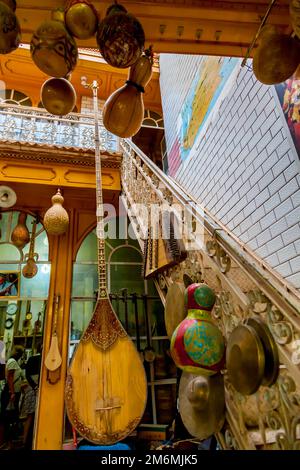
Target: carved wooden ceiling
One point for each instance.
(217, 27)
(212, 27)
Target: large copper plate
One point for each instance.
(202, 404)
(174, 307)
(270, 351)
(245, 359)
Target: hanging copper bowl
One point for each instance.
(81, 19)
(53, 49)
(10, 31)
(120, 37)
(58, 96)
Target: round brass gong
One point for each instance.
(202, 404)
(245, 359)
(270, 351)
(58, 96)
(174, 307)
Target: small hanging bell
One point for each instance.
(20, 234)
(56, 219)
(58, 96)
(53, 49)
(120, 37)
(81, 18)
(10, 31)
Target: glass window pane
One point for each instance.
(9, 252)
(129, 277)
(81, 314)
(85, 280)
(41, 245)
(126, 254)
(38, 286)
(88, 249)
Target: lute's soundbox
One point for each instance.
(164, 246)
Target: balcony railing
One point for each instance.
(35, 125)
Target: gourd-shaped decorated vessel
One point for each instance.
(58, 96)
(81, 18)
(295, 16)
(56, 219)
(20, 235)
(10, 31)
(120, 37)
(276, 57)
(53, 49)
(197, 344)
(123, 112)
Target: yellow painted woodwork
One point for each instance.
(186, 26)
(57, 174)
(18, 71)
(50, 414)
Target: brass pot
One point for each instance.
(58, 96)
(276, 57)
(10, 31)
(120, 37)
(81, 19)
(53, 49)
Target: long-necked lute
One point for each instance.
(106, 387)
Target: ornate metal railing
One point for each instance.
(35, 125)
(245, 286)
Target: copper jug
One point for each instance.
(10, 31)
(123, 112)
(120, 37)
(53, 49)
(81, 18)
(276, 57)
(58, 96)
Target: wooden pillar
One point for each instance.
(49, 425)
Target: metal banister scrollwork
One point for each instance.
(246, 287)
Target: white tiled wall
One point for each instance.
(244, 169)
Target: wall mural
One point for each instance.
(211, 84)
(288, 93)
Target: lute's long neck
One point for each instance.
(31, 247)
(102, 290)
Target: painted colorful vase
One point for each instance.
(197, 344)
(10, 31)
(120, 37)
(53, 49)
